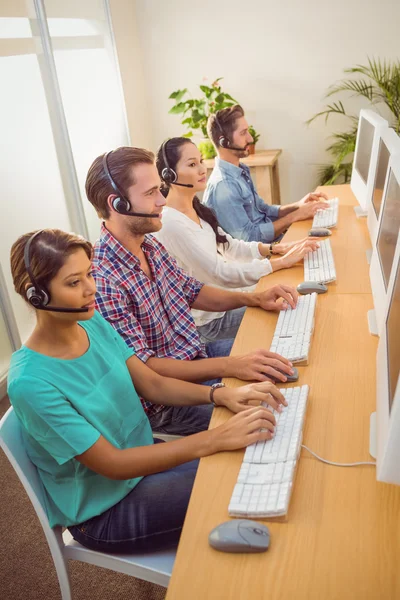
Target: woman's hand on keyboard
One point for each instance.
(259, 366)
(254, 394)
(284, 247)
(270, 299)
(247, 427)
(296, 253)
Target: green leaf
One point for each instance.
(359, 87)
(188, 134)
(178, 108)
(207, 90)
(220, 98)
(178, 95)
(229, 97)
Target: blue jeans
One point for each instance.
(223, 328)
(149, 518)
(186, 420)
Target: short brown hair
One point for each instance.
(120, 161)
(227, 118)
(47, 255)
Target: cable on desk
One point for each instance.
(336, 464)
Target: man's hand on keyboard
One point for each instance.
(247, 427)
(308, 210)
(312, 197)
(254, 394)
(259, 365)
(298, 251)
(271, 299)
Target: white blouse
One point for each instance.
(235, 265)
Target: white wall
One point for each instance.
(130, 60)
(277, 59)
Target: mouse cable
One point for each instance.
(336, 464)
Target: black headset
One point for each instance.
(167, 174)
(39, 296)
(223, 139)
(121, 204)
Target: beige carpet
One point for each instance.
(26, 567)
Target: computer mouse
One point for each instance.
(319, 232)
(308, 287)
(289, 378)
(240, 535)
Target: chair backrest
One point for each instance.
(12, 443)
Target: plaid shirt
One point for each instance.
(153, 317)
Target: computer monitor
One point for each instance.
(387, 144)
(387, 418)
(370, 124)
(386, 241)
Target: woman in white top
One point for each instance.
(191, 234)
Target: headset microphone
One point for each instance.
(38, 296)
(189, 185)
(121, 204)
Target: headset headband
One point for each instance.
(164, 153)
(27, 259)
(107, 172)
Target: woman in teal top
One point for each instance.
(71, 385)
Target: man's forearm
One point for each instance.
(214, 299)
(286, 218)
(192, 370)
(287, 209)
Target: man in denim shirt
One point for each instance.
(231, 193)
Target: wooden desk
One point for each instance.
(265, 168)
(342, 537)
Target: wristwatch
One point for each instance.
(214, 387)
(271, 247)
(268, 256)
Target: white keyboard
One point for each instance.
(329, 216)
(319, 265)
(265, 480)
(293, 331)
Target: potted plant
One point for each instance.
(195, 111)
(380, 85)
(256, 137)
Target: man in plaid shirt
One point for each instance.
(143, 293)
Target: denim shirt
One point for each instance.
(240, 210)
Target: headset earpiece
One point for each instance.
(120, 205)
(223, 142)
(37, 298)
(168, 175)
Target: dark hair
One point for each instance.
(120, 161)
(48, 252)
(172, 150)
(227, 118)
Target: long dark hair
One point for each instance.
(172, 150)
